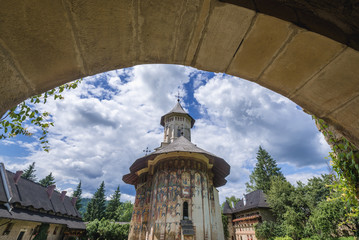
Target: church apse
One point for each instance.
(176, 195)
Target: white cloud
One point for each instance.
(241, 116)
(102, 127)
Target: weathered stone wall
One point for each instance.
(266, 42)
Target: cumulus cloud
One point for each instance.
(239, 116)
(102, 127)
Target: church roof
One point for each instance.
(182, 144)
(255, 199)
(177, 109)
(220, 168)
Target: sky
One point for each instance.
(103, 126)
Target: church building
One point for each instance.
(176, 186)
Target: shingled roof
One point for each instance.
(177, 109)
(220, 168)
(226, 208)
(255, 199)
(29, 198)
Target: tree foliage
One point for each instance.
(307, 210)
(232, 201)
(225, 226)
(267, 230)
(12, 123)
(29, 172)
(124, 212)
(77, 193)
(265, 169)
(48, 180)
(96, 207)
(113, 204)
(345, 162)
(105, 229)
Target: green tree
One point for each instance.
(113, 204)
(265, 169)
(77, 193)
(105, 229)
(48, 180)
(304, 211)
(225, 226)
(232, 201)
(124, 212)
(13, 121)
(268, 230)
(97, 206)
(325, 219)
(29, 172)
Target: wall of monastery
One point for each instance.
(158, 207)
(28, 228)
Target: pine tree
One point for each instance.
(77, 193)
(96, 207)
(29, 172)
(48, 180)
(264, 170)
(113, 204)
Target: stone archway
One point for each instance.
(306, 52)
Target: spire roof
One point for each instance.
(177, 109)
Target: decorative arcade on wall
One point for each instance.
(176, 195)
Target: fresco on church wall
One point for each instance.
(186, 185)
(158, 206)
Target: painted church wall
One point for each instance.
(158, 207)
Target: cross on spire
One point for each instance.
(178, 96)
(146, 151)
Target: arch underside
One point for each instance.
(44, 44)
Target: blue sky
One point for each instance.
(104, 125)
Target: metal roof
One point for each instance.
(255, 199)
(220, 168)
(32, 216)
(177, 109)
(29, 194)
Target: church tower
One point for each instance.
(176, 195)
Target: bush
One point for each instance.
(283, 238)
(268, 230)
(107, 230)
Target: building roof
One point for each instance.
(226, 208)
(177, 109)
(27, 215)
(255, 199)
(26, 195)
(220, 168)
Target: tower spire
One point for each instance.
(176, 123)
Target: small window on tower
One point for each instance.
(178, 132)
(185, 210)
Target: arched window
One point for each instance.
(185, 210)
